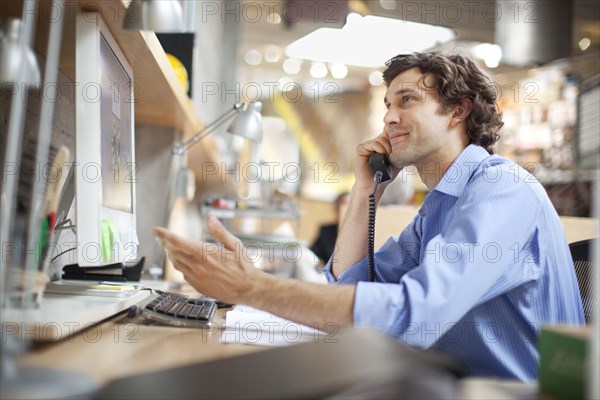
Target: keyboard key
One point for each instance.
(152, 306)
(205, 314)
(185, 310)
(195, 313)
(181, 310)
(165, 305)
(175, 308)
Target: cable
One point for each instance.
(64, 252)
(371, 231)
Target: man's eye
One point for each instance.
(406, 99)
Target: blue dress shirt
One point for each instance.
(482, 267)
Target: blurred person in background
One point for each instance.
(324, 244)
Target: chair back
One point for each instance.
(581, 252)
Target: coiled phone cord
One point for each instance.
(371, 231)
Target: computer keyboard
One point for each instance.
(178, 310)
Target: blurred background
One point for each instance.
(316, 68)
(542, 55)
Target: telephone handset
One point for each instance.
(382, 171)
(379, 162)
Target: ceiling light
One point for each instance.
(292, 66)
(338, 71)
(584, 43)
(272, 54)
(388, 4)
(274, 18)
(376, 78)
(491, 63)
(318, 70)
(252, 57)
(352, 19)
(491, 54)
(367, 41)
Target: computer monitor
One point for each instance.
(105, 176)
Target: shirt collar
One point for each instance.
(456, 177)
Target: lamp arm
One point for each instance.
(181, 148)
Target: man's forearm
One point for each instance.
(322, 306)
(351, 243)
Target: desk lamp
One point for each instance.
(247, 123)
(13, 60)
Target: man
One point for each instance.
(484, 264)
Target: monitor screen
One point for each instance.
(104, 143)
(115, 122)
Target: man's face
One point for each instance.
(414, 123)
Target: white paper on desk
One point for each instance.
(247, 325)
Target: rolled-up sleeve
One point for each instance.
(467, 263)
(461, 267)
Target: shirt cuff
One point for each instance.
(379, 306)
(356, 273)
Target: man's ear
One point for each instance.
(461, 111)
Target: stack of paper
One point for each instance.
(247, 325)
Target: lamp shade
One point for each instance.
(154, 15)
(12, 59)
(248, 123)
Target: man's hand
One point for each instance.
(362, 170)
(217, 271)
(223, 273)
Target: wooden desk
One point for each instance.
(119, 347)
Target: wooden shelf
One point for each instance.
(160, 99)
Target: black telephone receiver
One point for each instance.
(382, 171)
(379, 162)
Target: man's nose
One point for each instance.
(392, 116)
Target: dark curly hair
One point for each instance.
(456, 78)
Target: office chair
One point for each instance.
(581, 253)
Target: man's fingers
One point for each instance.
(189, 253)
(201, 254)
(382, 144)
(182, 265)
(378, 145)
(179, 255)
(171, 240)
(219, 232)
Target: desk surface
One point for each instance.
(118, 347)
(106, 344)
